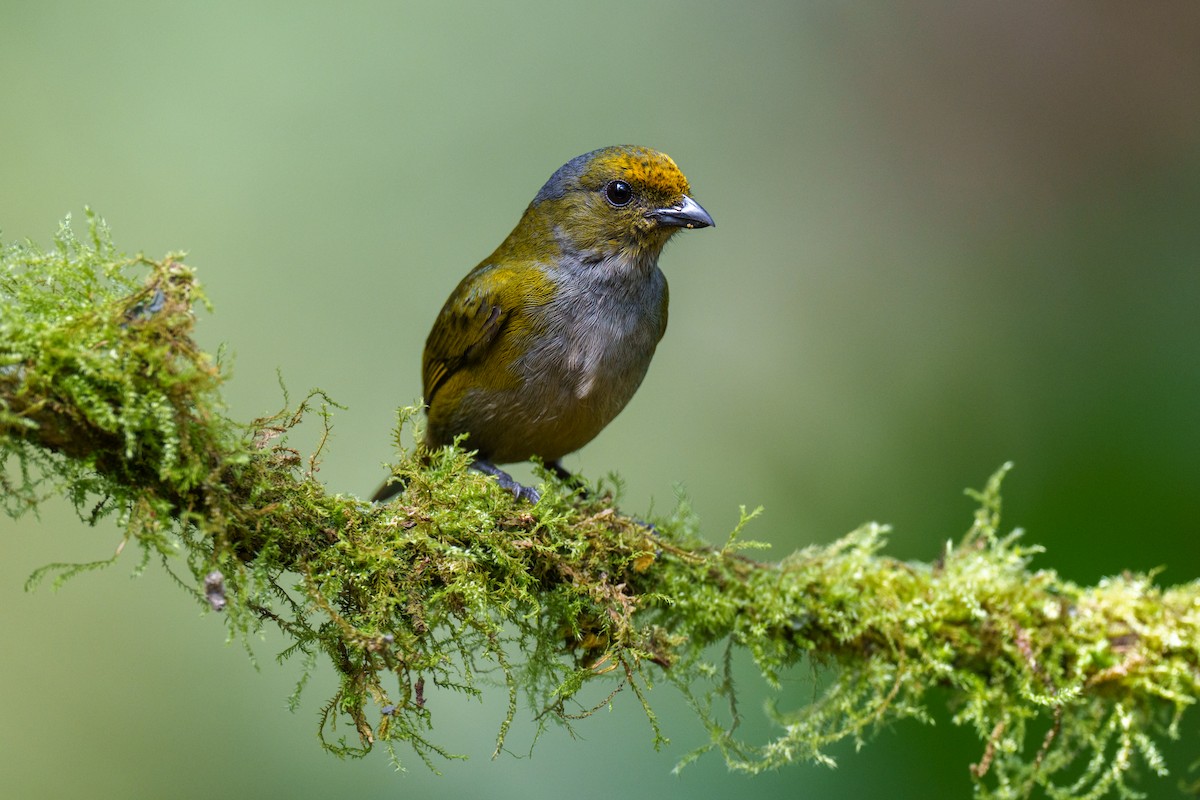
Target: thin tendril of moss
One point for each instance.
(455, 586)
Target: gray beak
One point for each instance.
(687, 213)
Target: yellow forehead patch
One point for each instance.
(641, 166)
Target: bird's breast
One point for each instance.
(599, 336)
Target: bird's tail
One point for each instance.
(390, 488)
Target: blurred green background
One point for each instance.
(949, 235)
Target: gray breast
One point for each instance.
(601, 332)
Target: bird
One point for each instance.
(544, 342)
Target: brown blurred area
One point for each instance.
(1020, 106)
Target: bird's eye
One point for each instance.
(619, 193)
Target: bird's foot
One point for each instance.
(506, 481)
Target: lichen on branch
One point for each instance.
(455, 586)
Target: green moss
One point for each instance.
(455, 585)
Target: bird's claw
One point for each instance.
(522, 492)
(506, 481)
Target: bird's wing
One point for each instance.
(465, 329)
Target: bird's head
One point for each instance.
(618, 201)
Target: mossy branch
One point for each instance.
(105, 397)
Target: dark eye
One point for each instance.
(619, 193)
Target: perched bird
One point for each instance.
(541, 345)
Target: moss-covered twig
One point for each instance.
(105, 397)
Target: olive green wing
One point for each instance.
(465, 329)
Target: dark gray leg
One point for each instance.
(520, 491)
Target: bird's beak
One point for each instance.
(687, 213)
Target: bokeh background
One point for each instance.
(948, 235)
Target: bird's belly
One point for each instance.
(567, 397)
(568, 388)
